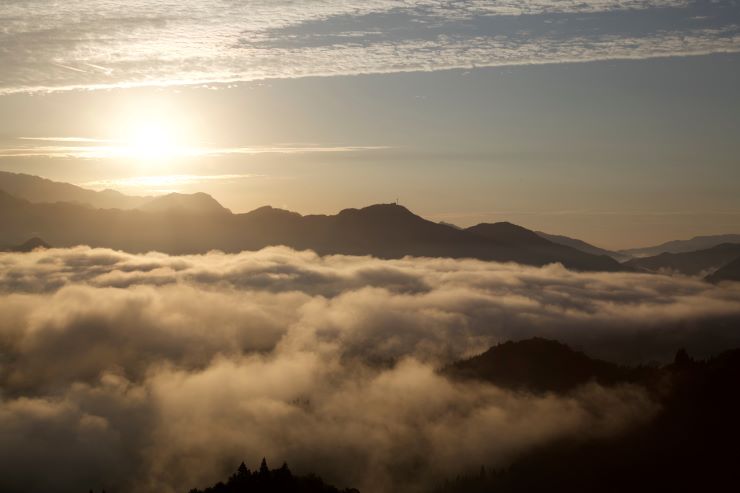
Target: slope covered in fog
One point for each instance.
(730, 272)
(688, 445)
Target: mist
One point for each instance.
(161, 373)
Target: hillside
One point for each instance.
(688, 446)
(583, 246)
(36, 189)
(683, 246)
(538, 365)
(730, 272)
(697, 263)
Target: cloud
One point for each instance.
(88, 148)
(431, 309)
(160, 373)
(100, 44)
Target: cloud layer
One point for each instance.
(159, 373)
(98, 43)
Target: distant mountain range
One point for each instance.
(698, 263)
(197, 223)
(196, 203)
(37, 189)
(583, 246)
(67, 215)
(683, 246)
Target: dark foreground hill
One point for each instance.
(183, 224)
(689, 263)
(691, 445)
(538, 365)
(265, 480)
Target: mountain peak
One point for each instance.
(387, 214)
(269, 212)
(508, 233)
(200, 203)
(31, 245)
(536, 364)
(380, 210)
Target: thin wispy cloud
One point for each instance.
(90, 148)
(67, 139)
(163, 183)
(99, 44)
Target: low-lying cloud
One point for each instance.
(161, 373)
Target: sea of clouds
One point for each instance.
(157, 373)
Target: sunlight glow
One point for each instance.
(152, 140)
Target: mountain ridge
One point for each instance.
(197, 223)
(198, 203)
(537, 365)
(683, 246)
(729, 272)
(583, 246)
(36, 189)
(694, 263)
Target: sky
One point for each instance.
(614, 121)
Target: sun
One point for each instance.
(151, 141)
(150, 133)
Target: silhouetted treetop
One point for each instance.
(689, 446)
(266, 480)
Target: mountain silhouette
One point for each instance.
(516, 237)
(197, 223)
(689, 445)
(683, 246)
(537, 365)
(509, 234)
(690, 263)
(583, 246)
(37, 189)
(730, 272)
(197, 203)
(266, 480)
(30, 245)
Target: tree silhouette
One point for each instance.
(265, 480)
